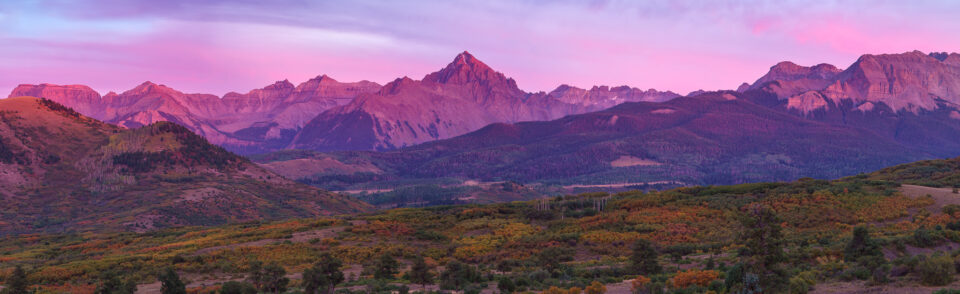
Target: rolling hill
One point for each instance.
(697, 237)
(60, 170)
(715, 138)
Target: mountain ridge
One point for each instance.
(278, 116)
(60, 170)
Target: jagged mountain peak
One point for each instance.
(466, 69)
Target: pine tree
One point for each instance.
(170, 282)
(420, 273)
(324, 276)
(861, 245)
(763, 251)
(506, 285)
(274, 279)
(110, 283)
(386, 267)
(255, 275)
(17, 282)
(643, 260)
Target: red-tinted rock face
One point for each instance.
(911, 81)
(243, 122)
(602, 97)
(462, 97)
(79, 97)
(787, 79)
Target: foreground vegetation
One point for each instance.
(751, 238)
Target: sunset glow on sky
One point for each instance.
(221, 46)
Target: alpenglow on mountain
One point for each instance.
(324, 114)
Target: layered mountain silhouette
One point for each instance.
(61, 170)
(262, 119)
(718, 137)
(911, 97)
(323, 114)
(462, 97)
(468, 121)
(793, 122)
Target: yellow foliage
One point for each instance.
(640, 283)
(695, 277)
(596, 288)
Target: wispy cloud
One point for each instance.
(220, 46)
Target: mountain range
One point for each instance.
(61, 170)
(326, 115)
(468, 122)
(793, 122)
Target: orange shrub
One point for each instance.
(640, 283)
(596, 288)
(695, 277)
(554, 290)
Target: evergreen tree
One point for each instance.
(274, 279)
(763, 251)
(420, 273)
(457, 276)
(255, 274)
(16, 282)
(170, 282)
(234, 287)
(324, 276)
(270, 279)
(868, 254)
(386, 267)
(643, 260)
(110, 284)
(861, 245)
(506, 285)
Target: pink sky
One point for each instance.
(221, 46)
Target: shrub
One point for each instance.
(924, 238)
(802, 282)
(950, 209)
(639, 284)
(700, 278)
(234, 287)
(506, 285)
(595, 288)
(936, 270)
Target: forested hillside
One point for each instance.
(872, 232)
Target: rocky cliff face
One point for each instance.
(913, 98)
(788, 79)
(911, 81)
(260, 120)
(79, 97)
(602, 97)
(324, 114)
(462, 97)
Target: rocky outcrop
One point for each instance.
(261, 120)
(910, 81)
(787, 78)
(464, 96)
(602, 97)
(324, 114)
(79, 97)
